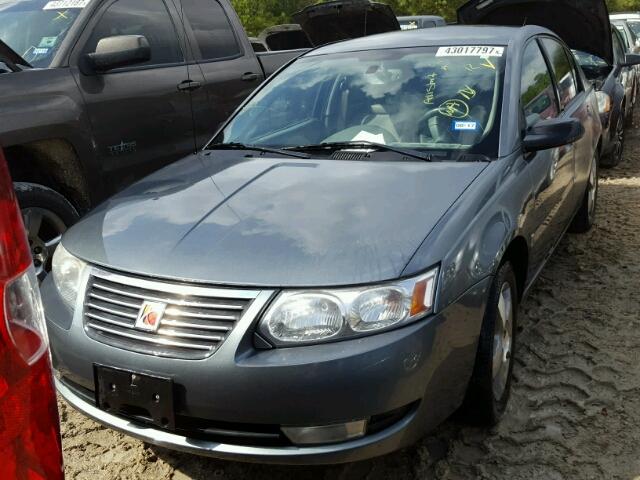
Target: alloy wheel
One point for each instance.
(44, 230)
(502, 341)
(619, 139)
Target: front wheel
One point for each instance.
(490, 385)
(585, 218)
(46, 215)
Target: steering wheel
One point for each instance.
(439, 125)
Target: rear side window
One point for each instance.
(140, 17)
(211, 28)
(563, 71)
(538, 96)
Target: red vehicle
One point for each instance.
(30, 445)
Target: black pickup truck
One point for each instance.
(94, 94)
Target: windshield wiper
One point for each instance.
(242, 146)
(363, 144)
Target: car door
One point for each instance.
(229, 66)
(140, 119)
(625, 74)
(551, 170)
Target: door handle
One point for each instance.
(189, 86)
(250, 77)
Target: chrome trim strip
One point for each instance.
(174, 312)
(115, 301)
(109, 320)
(284, 455)
(193, 336)
(112, 311)
(169, 322)
(176, 288)
(157, 340)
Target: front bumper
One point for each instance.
(421, 371)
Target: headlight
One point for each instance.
(306, 316)
(66, 271)
(604, 102)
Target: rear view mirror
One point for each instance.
(119, 51)
(631, 59)
(552, 133)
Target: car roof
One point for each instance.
(448, 35)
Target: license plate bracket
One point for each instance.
(146, 397)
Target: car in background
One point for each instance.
(629, 37)
(350, 249)
(421, 21)
(615, 86)
(30, 445)
(338, 20)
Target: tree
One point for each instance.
(256, 15)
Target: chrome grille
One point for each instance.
(196, 321)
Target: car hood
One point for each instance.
(582, 24)
(10, 57)
(285, 37)
(272, 222)
(345, 19)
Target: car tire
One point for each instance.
(47, 215)
(490, 385)
(585, 218)
(615, 157)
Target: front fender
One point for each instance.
(472, 238)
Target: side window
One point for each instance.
(618, 49)
(211, 28)
(538, 97)
(140, 17)
(563, 71)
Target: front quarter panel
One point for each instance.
(473, 236)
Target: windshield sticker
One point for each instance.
(454, 108)
(369, 137)
(464, 126)
(470, 51)
(40, 51)
(432, 83)
(64, 4)
(47, 42)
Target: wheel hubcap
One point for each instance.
(502, 341)
(44, 229)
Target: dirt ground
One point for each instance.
(575, 408)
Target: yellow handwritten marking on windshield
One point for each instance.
(62, 15)
(487, 63)
(445, 68)
(467, 92)
(454, 108)
(432, 83)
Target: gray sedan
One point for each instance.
(341, 268)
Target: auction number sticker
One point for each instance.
(470, 51)
(64, 4)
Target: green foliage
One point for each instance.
(256, 15)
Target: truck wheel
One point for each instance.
(585, 218)
(490, 385)
(46, 215)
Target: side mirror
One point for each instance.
(552, 133)
(119, 51)
(631, 59)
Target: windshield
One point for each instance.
(35, 28)
(443, 100)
